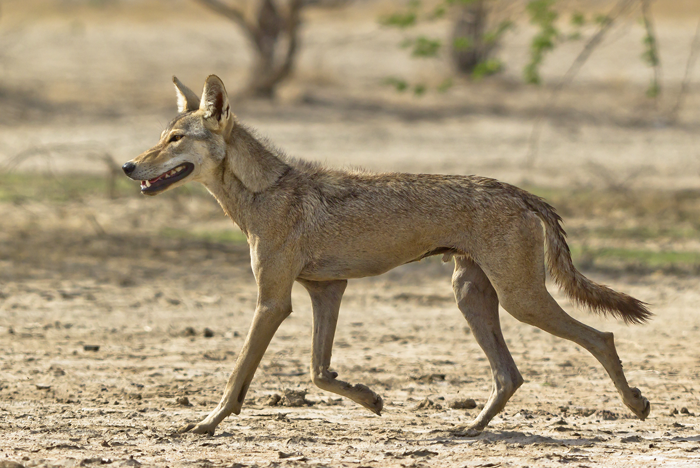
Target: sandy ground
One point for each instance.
(146, 301)
(98, 272)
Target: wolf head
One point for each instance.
(192, 146)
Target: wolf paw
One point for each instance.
(466, 431)
(376, 406)
(640, 406)
(367, 398)
(197, 429)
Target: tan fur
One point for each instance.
(321, 227)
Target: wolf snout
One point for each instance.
(128, 168)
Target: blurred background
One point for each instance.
(593, 104)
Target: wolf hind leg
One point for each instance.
(519, 279)
(478, 302)
(542, 311)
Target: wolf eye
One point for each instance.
(175, 138)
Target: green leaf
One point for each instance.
(578, 19)
(419, 89)
(399, 84)
(400, 20)
(542, 15)
(438, 12)
(487, 68)
(541, 11)
(426, 47)
(445, 85)
(650, 57)
(601, 19)
(461, 44)
(653, 90)
(494, 35)
(531, 74)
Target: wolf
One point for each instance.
(320, 227)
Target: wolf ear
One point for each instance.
(187, 101)
(217, 111)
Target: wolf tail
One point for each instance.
(598, 298)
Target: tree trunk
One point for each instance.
(274, 37)
(276, 41)
(468, 45)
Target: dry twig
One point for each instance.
(692, 56)
(533, 145)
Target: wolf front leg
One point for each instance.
(274, 305)
(325, 300)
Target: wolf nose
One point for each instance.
(128, 168)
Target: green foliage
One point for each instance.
(445, 85)
(402, 85)
(601, 19)
(222, 236)
(578, 19)
(639, 257)
(429, 47)
(400, 20)
(654, 89)
(459, 2)
(472, 53)
(439, 12)
(404, 19)
(544, 16)
(650, 54)
(462, 43)
(494, 36)
(21, 187)
(426, 47)
(487, 68)
(397, 83)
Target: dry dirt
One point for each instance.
(104, 302)
(145, 301)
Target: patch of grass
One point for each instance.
(16, 187)
(218, 236)
(629, 214)
(679, 203)
(645, 233)
(642, 257)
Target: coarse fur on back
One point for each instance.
(320, 227)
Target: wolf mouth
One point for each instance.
(157, 184)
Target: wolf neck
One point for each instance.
(249, 168)
(252, 162)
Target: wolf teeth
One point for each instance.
(174, 171)
(170, 173)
